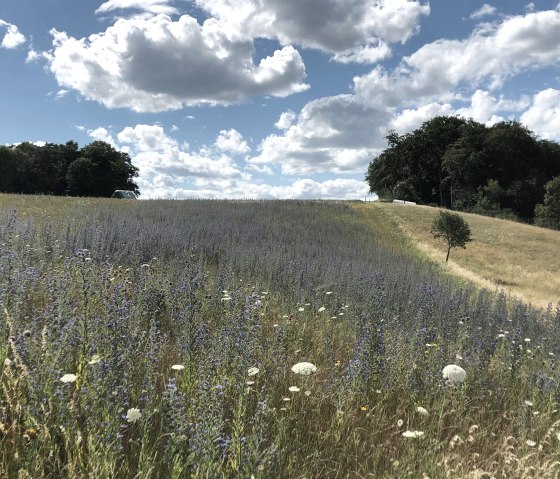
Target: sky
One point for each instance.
(269, 98)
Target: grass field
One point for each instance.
(520, 259)
(156, 339)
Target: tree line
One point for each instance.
(96, 169)
(504, 170)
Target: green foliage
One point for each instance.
(95, 170)
(452, 228)
(462, 164)
(548, 214)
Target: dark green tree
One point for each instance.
(390, 174)
(464, 166)
(512, 155)
(110, 170)
(461, 164)
(548, 214)
(14, 165)
(95, 170)
(81, 178)
(412, 167)
(452, 228)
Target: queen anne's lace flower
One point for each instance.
(95, 359)
(68, 378)
(304, 368)
(454, 374)
(423, 412)
(133, 414)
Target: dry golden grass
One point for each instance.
(520, 259)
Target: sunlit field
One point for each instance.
(521, 259)
(164, 339)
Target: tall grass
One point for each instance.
(519, 258)
(116, 293)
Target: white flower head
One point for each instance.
(413, 434)
(301, 310)
(400, 422)
(423, 412)
(95, 359)
(528, 403)
(321, 309)
(530, 443)
(304, 368)
(178, 367)
(454, 374)
(252, 371)
(133, 414)
(68, 378)
(294, 389)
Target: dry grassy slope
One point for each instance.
(520, 259)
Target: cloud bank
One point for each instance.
(158, 64)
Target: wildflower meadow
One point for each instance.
(216, 339)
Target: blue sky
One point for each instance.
(268, 98)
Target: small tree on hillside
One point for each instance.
(453, 229)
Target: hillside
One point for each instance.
(519, 259)
(285, 339)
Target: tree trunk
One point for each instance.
(447, 257)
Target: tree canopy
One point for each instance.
(94, 170)
(548, 213)
(462, 164)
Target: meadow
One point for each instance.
(518, 258)
(157, 340)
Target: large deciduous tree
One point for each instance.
(101, 170)
(461, 164)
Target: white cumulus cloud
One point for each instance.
(232, 141)
(286, 120)
(168, 169)
(490, 55)
(543, 116)
(336, 134)
(350, 30)
(484, 11)
(158, 64)
(13, 38)
(164, 164)
(152, 7)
